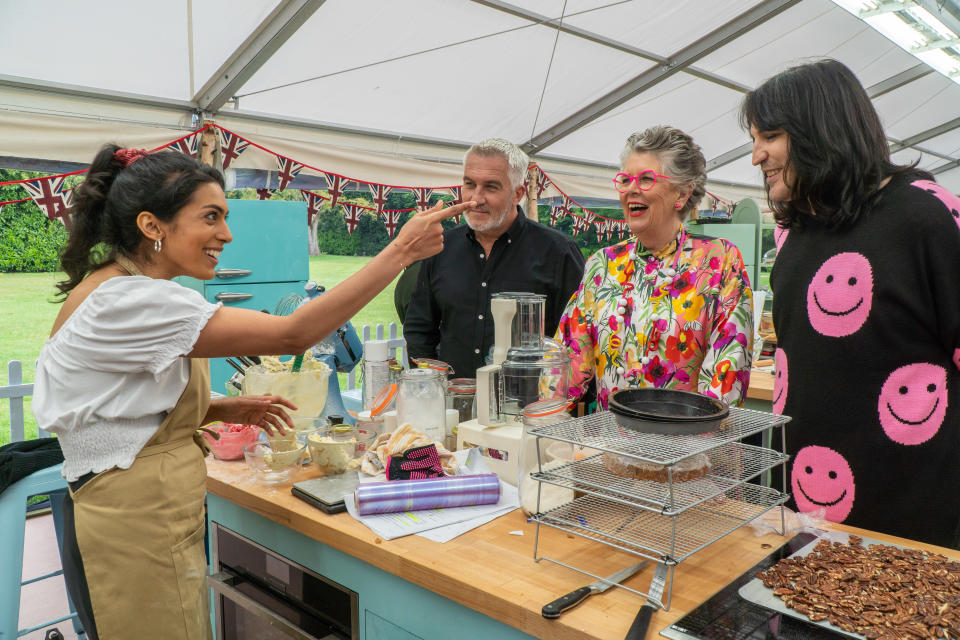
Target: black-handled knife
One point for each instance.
(561, 604)
(638, 630)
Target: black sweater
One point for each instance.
(868, 323)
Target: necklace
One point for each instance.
(648, 280)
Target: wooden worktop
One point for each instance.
(493, 572)
(761, 386)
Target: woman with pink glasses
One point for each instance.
(664, 308)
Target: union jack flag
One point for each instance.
(579, 224)
(457, 199)
(335, 187)
(187, 144)
(351, 215)
(603, 231)
(556, 214)
(380, 192)
(542, 182)
(287, 170)
(423, 197)
(588, 215)
(51, 197)
(457, 195)
(621, 227)
(264, 194)
(231, 146)
(313, 204)
(391, 218)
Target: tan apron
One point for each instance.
(141, 530)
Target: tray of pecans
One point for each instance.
(864, 589)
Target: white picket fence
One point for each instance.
(16, 391)
(377, 332)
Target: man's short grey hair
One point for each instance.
(517, 160)
(680, 158)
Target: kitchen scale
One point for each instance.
(727, 616)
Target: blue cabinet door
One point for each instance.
(269, 241)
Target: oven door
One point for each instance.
(263, 596)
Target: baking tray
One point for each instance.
(667, 411)
(755, 592)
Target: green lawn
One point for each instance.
(26, 316)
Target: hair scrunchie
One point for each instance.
(126, 157)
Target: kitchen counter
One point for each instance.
(488, 570)
(761, 387)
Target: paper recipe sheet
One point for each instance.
(440, 525)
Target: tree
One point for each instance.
(29, 241)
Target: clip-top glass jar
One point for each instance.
(420, 402)
(437, 365)
(540, 414)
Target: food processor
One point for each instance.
(526, 367)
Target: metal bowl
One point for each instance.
(651, 410)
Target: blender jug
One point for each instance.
(530, 368)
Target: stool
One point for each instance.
(13, 516)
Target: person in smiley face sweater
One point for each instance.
(867, 310)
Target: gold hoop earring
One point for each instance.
(158, 245)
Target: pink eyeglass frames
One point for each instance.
(645, 180)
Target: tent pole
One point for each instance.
(210, 147)
(532, 191)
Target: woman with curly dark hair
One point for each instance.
(123, 381)
(867, 309)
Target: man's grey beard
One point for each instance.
(492, 222)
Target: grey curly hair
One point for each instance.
(680, 158)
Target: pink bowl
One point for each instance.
(231, 443)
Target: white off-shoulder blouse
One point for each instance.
(107, 379)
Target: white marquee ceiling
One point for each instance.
(404, 86)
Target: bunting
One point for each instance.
(457, 195)
(556, 213)
(423, 197)
(49, 193)
(542, 182)
(391, 218)
(335, 184)
(231, 146)
(187, 144)
(579, 224)
(287, 170)
(351, 215)
(380, 192)
(51, 197)
(457, 199)
(313, 205)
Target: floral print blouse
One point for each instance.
(673, 319)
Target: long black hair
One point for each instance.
(108, 201)
(838, 152)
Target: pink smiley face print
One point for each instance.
(779, 380)
(821, 479)
(949, 200)
(840, 295)
(913, 403)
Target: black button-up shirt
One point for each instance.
(449, 315)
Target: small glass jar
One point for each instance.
(461, 395)
(540, 414)
(396, 370)
(420, 402)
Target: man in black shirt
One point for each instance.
(498, 250)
